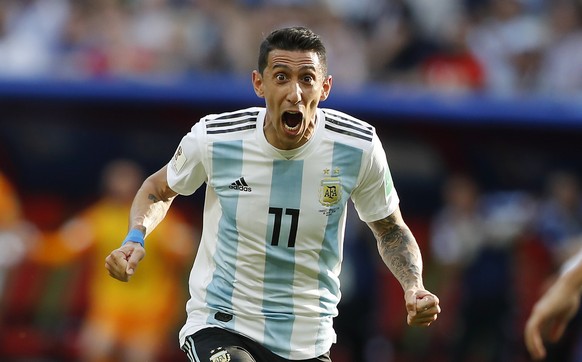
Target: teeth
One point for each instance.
(291, 128)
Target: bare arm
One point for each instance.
(151, 202)
(554, 310)
(400, 252)
(149, 207)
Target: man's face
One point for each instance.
(292, 84)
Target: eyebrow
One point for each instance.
(303, 68)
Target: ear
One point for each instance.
(258, 84)
(326, 88)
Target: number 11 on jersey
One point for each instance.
(279, 213)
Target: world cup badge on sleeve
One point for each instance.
(179, 159)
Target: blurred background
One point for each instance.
(477, 103)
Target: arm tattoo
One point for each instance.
(399, 251)
(153, 198)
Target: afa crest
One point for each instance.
(219, 355)
(330, 191)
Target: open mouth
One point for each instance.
(292, 120)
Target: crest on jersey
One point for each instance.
(330, 191)
(219, 355)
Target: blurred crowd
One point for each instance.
(501, 46)
(91, 317)
(488, 255)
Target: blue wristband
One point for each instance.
(136, 236)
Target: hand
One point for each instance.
(422, 307)
(550, 317)
(122, 262)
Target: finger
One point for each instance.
(135, 257)
(115, 264)
(424, 316)
(535, 346)
(117, 256)
(121, 276)
(533, 340)
(117, 259)
(429, 315)
(427, 310)
(426, 302)
(410, 299)
(422, 322)
(112, 262)
(417, 321)
(117, 273)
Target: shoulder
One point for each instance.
(347, 128)
(230, 123)
(220, 127)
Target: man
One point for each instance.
(264, 285)
(554, 310)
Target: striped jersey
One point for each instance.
(273, 225)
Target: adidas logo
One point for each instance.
(240, 185)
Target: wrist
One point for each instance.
(135, 236)
(413, 288)
(571, 280)
(571, 272)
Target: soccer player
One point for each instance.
(264, 285)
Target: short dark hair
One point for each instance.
(293, 39)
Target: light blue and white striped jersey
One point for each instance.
(269, 260)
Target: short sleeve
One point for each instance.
(375, 196)
(186, 170)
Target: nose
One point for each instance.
(295, 92)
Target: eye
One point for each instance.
(280, 77)
(308, 79)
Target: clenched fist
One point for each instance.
(122, 262)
